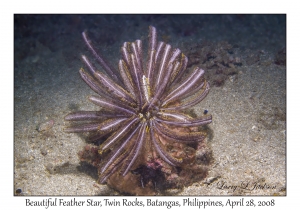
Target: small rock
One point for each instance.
(210, 180)
(46, 126)
(18, 191)
(51, 168)
(233, 78)
(44, 151)
(280, 58)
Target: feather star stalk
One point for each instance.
(143, 106)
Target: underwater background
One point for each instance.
(244, 57)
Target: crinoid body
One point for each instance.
(148, 142)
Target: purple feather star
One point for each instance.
(142, 107)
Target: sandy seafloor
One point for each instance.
(249, 110)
